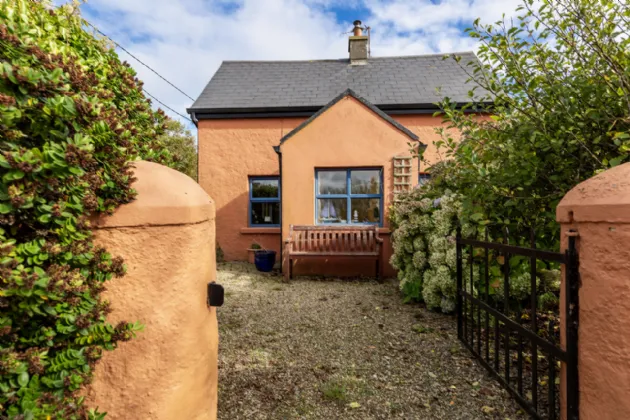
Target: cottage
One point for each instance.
(322, 142)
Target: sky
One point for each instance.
(186, 40)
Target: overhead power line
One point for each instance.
(140, 61)
(166, 106)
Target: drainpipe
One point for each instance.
(195, 121)
(421, 148)
(277, 150)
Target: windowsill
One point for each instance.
(260, 231)
(276, 231)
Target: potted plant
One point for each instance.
(264, 259)
(251, 251)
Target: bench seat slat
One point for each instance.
(333, 241)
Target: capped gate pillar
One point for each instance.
(599, 211)
(167, 239)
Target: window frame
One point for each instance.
(349, 196)
(423, 178)
(253, 199)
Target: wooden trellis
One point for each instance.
(402, 175)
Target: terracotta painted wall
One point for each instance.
(167, 238)
(229, 152)
(347, 135)
(232, 150)
(599, 210)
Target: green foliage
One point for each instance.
(72, 117)
(425, 256)
(220, 255)
(181, 144)
(559, 80)
(421, 329)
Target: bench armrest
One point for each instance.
(288, 240)
(379, 240)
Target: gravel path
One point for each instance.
(331, 349)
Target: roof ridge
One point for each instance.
(424, 55)
(285, 61)
(346, 59)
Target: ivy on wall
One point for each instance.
(72, 118)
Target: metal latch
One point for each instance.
(215, 294)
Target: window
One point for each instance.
(264, 201)
(349, 196)
(423, 178)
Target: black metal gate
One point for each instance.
(519, 346)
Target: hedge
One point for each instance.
(72, 118)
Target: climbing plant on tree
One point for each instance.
(72, 118)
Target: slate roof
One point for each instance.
(387, 82)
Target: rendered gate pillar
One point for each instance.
(599, 210)
(167, 239)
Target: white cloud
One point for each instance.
(422, 26)
(186, 40)
(432, 16)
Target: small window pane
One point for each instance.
(265, 188)
(265, 213)
(332, 210)
(366, 210)
(332, 182)
(366, 181)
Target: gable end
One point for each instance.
(351, 93)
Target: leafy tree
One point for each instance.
(559, 79)
(181, 144)
(72, 118)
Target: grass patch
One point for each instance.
(335, 390)
(421, 329)
(344, 388)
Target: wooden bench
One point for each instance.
(333, 241)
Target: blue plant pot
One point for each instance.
(265, 260)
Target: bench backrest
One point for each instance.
(358, 240)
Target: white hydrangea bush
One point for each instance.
(424, 248)
(425, 255)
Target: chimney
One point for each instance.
(358, 45)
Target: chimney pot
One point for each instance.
(358, 45)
